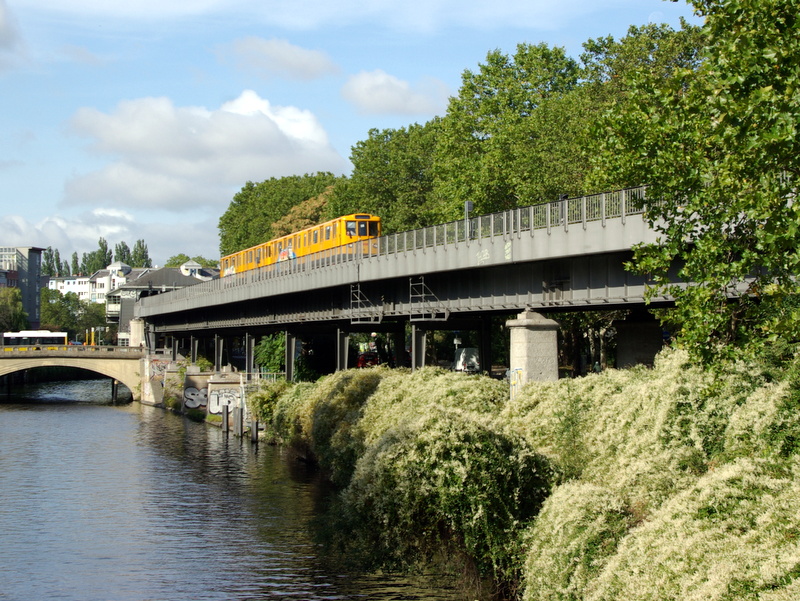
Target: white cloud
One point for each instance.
(377, 92)
(179, 158)
(11, 46)
(276, 57)
(81, 233)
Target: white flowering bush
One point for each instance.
(447, 481)
(571, 541)
(676, 482)
(734, 535)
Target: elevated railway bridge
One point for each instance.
(564, 255)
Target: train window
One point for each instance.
(315, 236)
(373, 228)
(350, 228)
(258, 255)
(362, 228)
(328, 232)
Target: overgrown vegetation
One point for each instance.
(678, 482)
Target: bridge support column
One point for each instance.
(418, 339)
(342, 349)
(218, 346)
(249, 355)
(291, 353)
(193, 343)
(534, 348)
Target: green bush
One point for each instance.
(446, 482)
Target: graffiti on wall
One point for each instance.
(217, 397)
(195, 398)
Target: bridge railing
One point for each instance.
(564, 213)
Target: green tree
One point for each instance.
(392, 177)
(12, 316)
(122, 253)
(76, 266)
(140, 257)
(98, 259)
(255, 208)
(58, 265)
(718, 146)
(497, 146)
(180, 259)
(59, 312)
(270, 352)
(48, 262)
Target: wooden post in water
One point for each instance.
(225, 424)
(238, 421)
(254, 430)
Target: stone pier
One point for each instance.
(534, 348)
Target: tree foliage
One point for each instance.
(67, 313)
(392, 177)
(502, 130)
(97, 259)
(122, 253)
(251, 215)
(718, 146)
(140, 257)
(180, 259)
(12, 315)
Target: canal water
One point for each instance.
(129, 503)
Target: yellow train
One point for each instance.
(340, 233)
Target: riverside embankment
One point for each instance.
(676, 482)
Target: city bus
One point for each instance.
(39, 339)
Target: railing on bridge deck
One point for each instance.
(71, 350)
(547, 216)
(564, 213)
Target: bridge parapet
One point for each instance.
(95, 352)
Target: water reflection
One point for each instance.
(127, 502)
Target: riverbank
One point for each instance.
(671, 483)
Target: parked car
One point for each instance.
(368, 359)
(466, 359)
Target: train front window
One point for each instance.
(350, 228)
(373, 228)
(362, 228)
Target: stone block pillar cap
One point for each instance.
(532, 320)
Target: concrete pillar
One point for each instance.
(137, 332)
(249, 355)
(342, 349)
(291, 353)
(218, 346)
(534, 348)
(418, 339)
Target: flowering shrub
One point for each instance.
(677, 482)
(571, 540)
(447, 481)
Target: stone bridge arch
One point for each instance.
(125, 367)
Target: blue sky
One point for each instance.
(140, 119)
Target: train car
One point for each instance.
(338, 235)
(35, 339)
